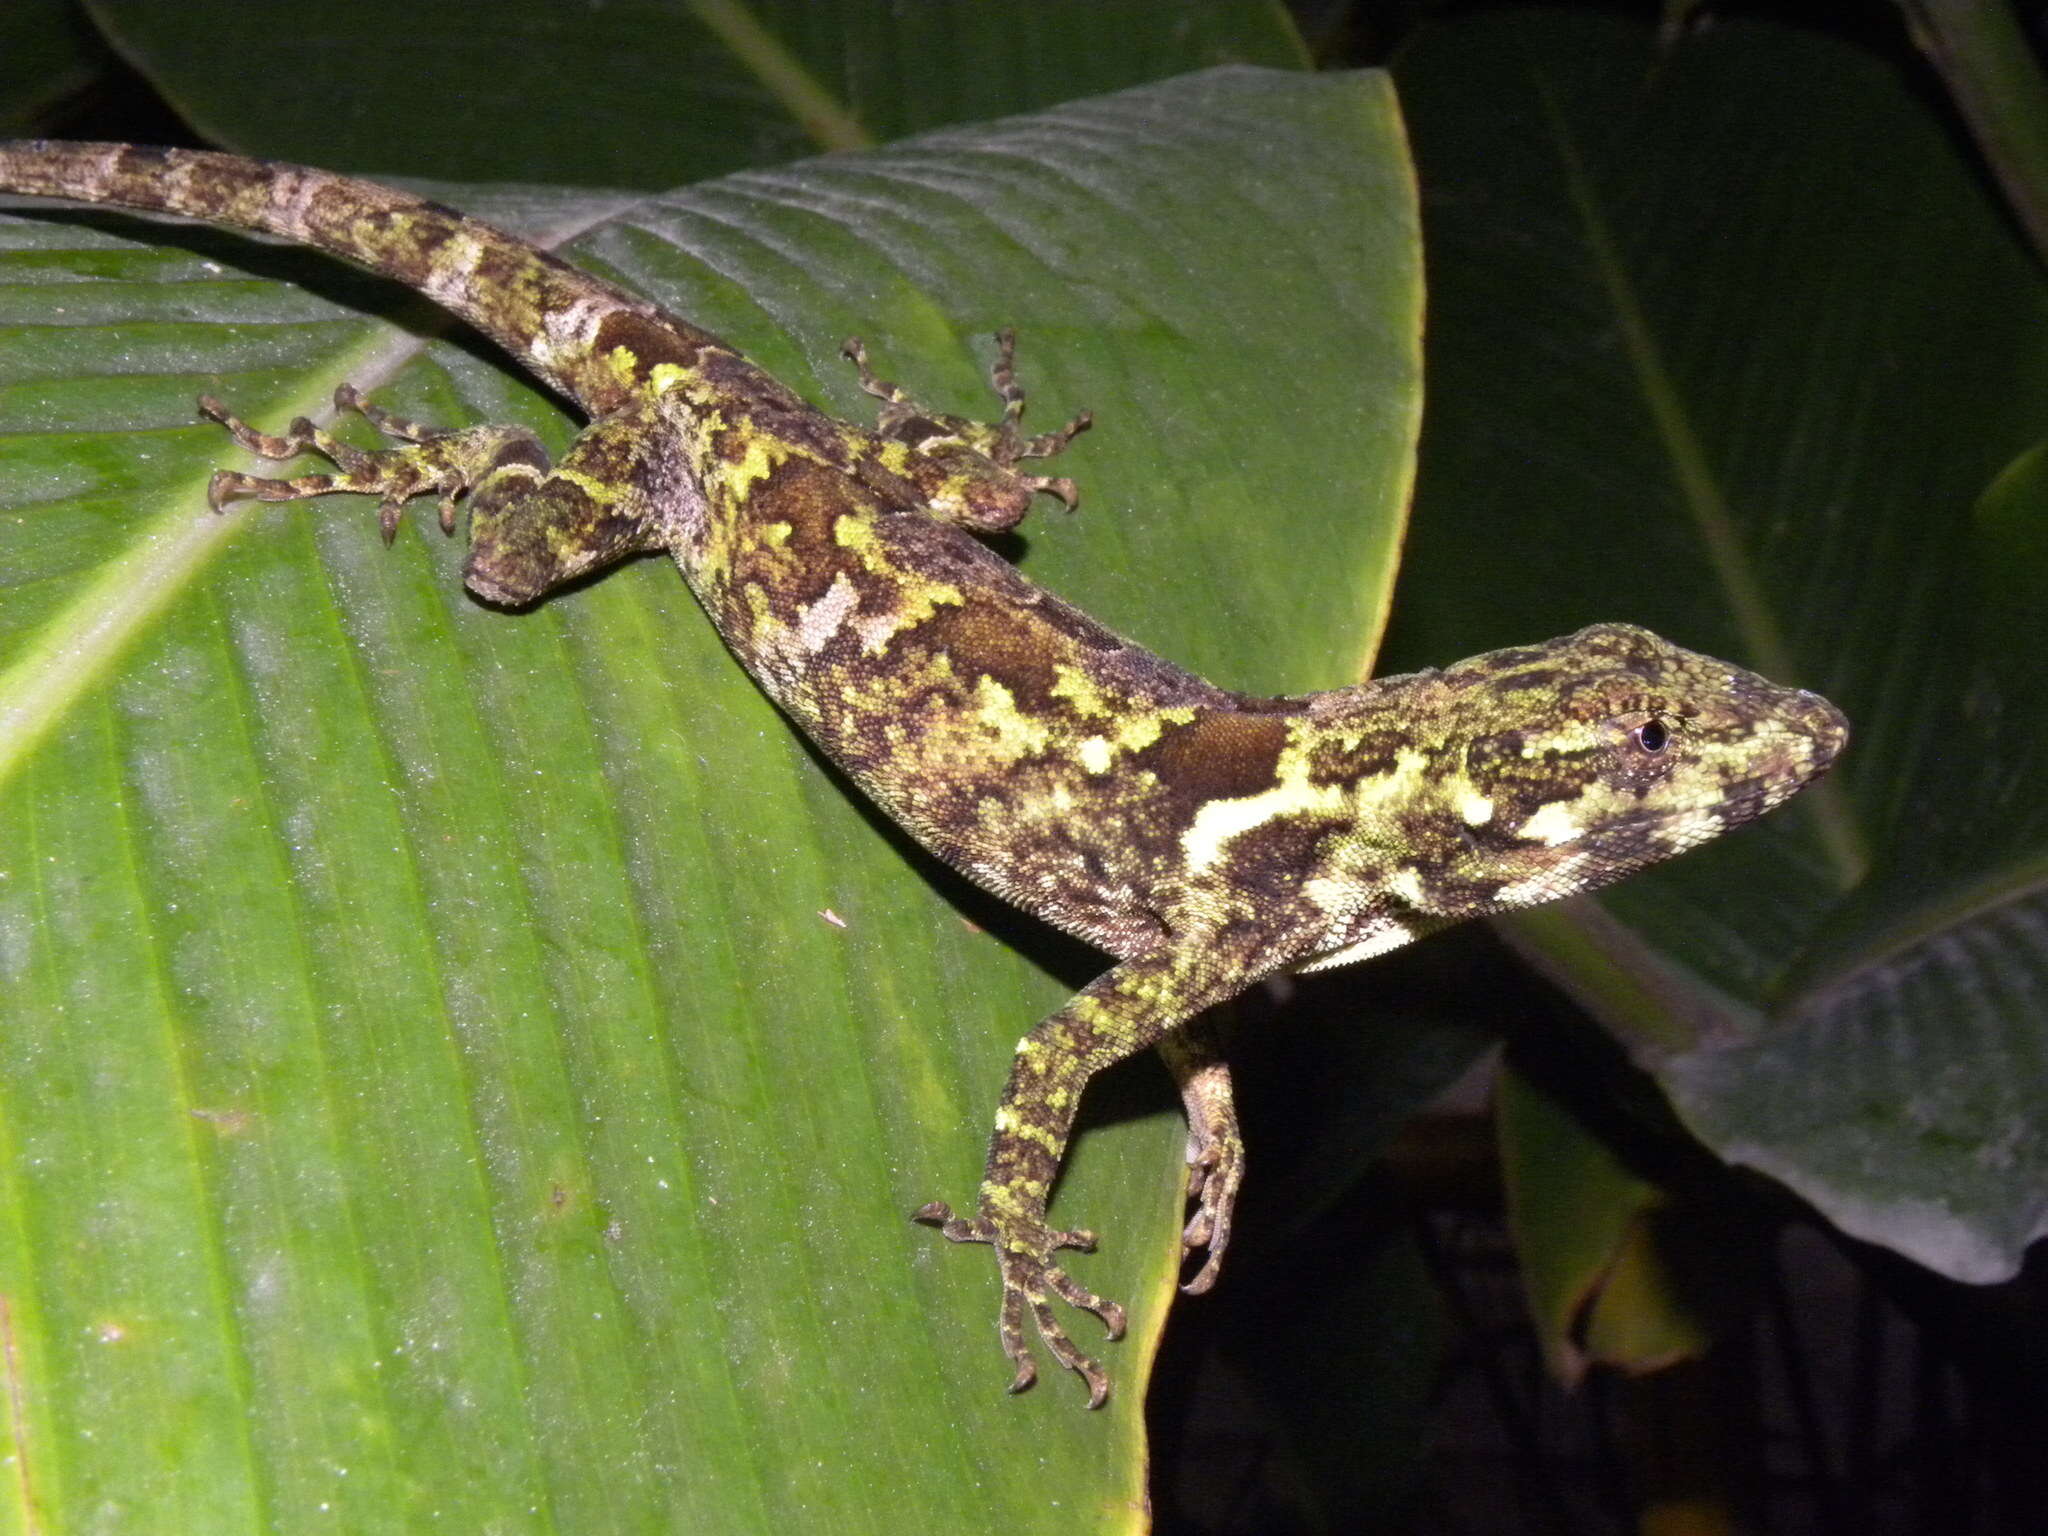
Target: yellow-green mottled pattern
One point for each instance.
(1203, 838)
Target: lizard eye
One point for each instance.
(1653, 736)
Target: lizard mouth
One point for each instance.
(1641, 838)
(1651, 836)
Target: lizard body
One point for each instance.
(1204, 838)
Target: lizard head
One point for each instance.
(1559, 768)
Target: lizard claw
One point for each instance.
(1030, 1280)
(1215, 1173)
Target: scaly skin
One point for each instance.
(1204, 838)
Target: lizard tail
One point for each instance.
(592, 341)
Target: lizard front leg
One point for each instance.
(1121, 1012)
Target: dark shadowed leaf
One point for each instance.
(1728, 340)
(649, 93)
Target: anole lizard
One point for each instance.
(1204, 838)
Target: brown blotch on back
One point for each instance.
(1373, 752)
(809, 499)
(982, 641)
(651, 342)
(1273, 860)
(1219, 755)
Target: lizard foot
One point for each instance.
(1030, 1280)
(1215, 1173)
(447, 464)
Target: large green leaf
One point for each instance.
(473, 1069)
(1585, 1228)
(653, 92)
(1729, 340)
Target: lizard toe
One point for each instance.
(1068, 1354)
(1215, 1173)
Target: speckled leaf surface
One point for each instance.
(472, 1070)
(1729, 339)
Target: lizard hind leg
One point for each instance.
(967, 469)
(445, 464)
(1215, 1146)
